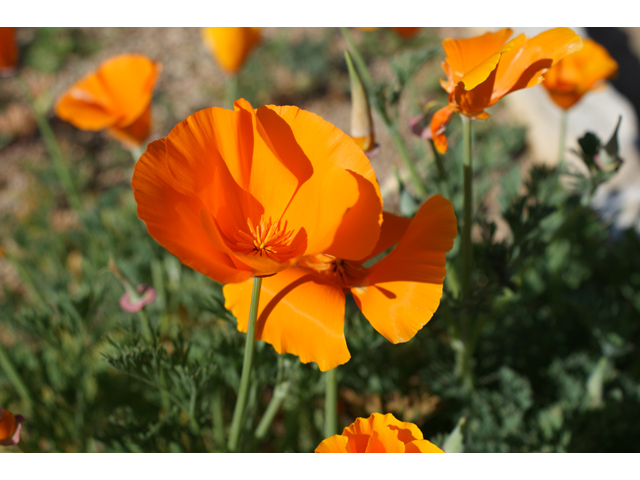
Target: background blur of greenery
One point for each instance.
(553, 319)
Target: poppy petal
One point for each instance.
(364, 215)
(384, 440)
(422, 446)
(439, 123)
(135, 134)
(524, 65)
(171, 214)
(465, 54)
(333, 444)
(393, 229)
(402, 291)
(297, 314)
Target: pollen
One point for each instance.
(268, 239)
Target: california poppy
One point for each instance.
(578, 73)
(481, 70)
(117, 96)
(231, 45)
(8, 50)
(378, 434)
(361, 121)
(301, 309)
(10, 426)
(242, 193)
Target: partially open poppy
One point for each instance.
(301, 309)
(578, 73)
(10, 426)
(481, 70)
(378, 434)
(116, 96)
(8, 51)
(241, 193)
(231, 45)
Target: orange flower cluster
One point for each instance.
(579, 73)
(481, 70)
(117, 96)
(8, 51)
(10, 426)
(378, 434)
(231, 46)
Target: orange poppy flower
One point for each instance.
(301, 309)
(8, 51)
(117, 96)
(378, 434)
(241, 193)
(231, 46)
(481, 70)
(578, 73)
(10, 426)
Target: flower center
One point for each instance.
(346, 273)
(267, 239)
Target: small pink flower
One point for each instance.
(132, 302)
(10, 426)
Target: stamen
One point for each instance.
(267, 239)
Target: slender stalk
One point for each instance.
(218, 419)
(468, 206)
(563, 136)
(231, 87)
(15, 379)
(145, 326)
(331, 403)
(279, 394)
(245, 379)
(398, 141)
(59, 164)
(359, 60)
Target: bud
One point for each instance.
(231, 46)
(361, 122)
(133, 301)
(10, 426)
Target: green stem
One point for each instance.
(231, 90)
(218, 419)
(331, 403)
(145, 326)
(16, 380)
(398, 141)
(468, 206)
(279, 394)
(245, 379)
(59, 164)
(563, 136)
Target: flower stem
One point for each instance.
(16, 380)
(245, 379)
(467, 247)
(563, 136)
(59, 164)
(231, 90)
(218, 419)
(279, 394)
(331, 403)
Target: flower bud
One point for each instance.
(361, 122)
(10, 426)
